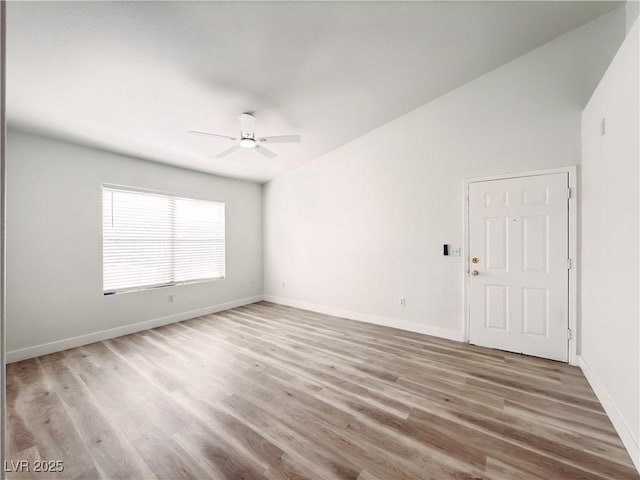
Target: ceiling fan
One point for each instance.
(248, 138)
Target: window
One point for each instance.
(152, 240)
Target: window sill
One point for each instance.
(156, 287)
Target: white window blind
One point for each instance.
(152, 240)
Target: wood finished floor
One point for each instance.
(271, 392)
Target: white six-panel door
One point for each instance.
(518, 263)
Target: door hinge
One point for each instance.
(569, 335)
(568, 264)
(569, 192)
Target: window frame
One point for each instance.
(141, 288)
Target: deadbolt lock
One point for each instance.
(475, 260)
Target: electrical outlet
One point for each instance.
(403, 302)
(455, 251)
(170, 298)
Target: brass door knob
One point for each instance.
(475, 273)
(475, 260)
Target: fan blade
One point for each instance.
(196, 132)
(247, 124)
(267, 153)
(281, 139)
(228, 151)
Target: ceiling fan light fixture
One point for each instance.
(249, 140)
(247, 143)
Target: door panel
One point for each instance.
(535, 314)
(496, 307)
(518, 230)
(497, 243)
(535, 243)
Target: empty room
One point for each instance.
(325, 240)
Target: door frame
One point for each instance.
(572, 172)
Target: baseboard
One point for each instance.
(629, 441)
(369, 318)
(64, 344)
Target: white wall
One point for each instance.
(2, 237)
(610, 239)
(356, 229)
(54, 244)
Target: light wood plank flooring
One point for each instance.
(271, 392)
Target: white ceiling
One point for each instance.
(133, 77)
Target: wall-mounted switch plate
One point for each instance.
(455, 251)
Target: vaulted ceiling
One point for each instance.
(133, 77)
